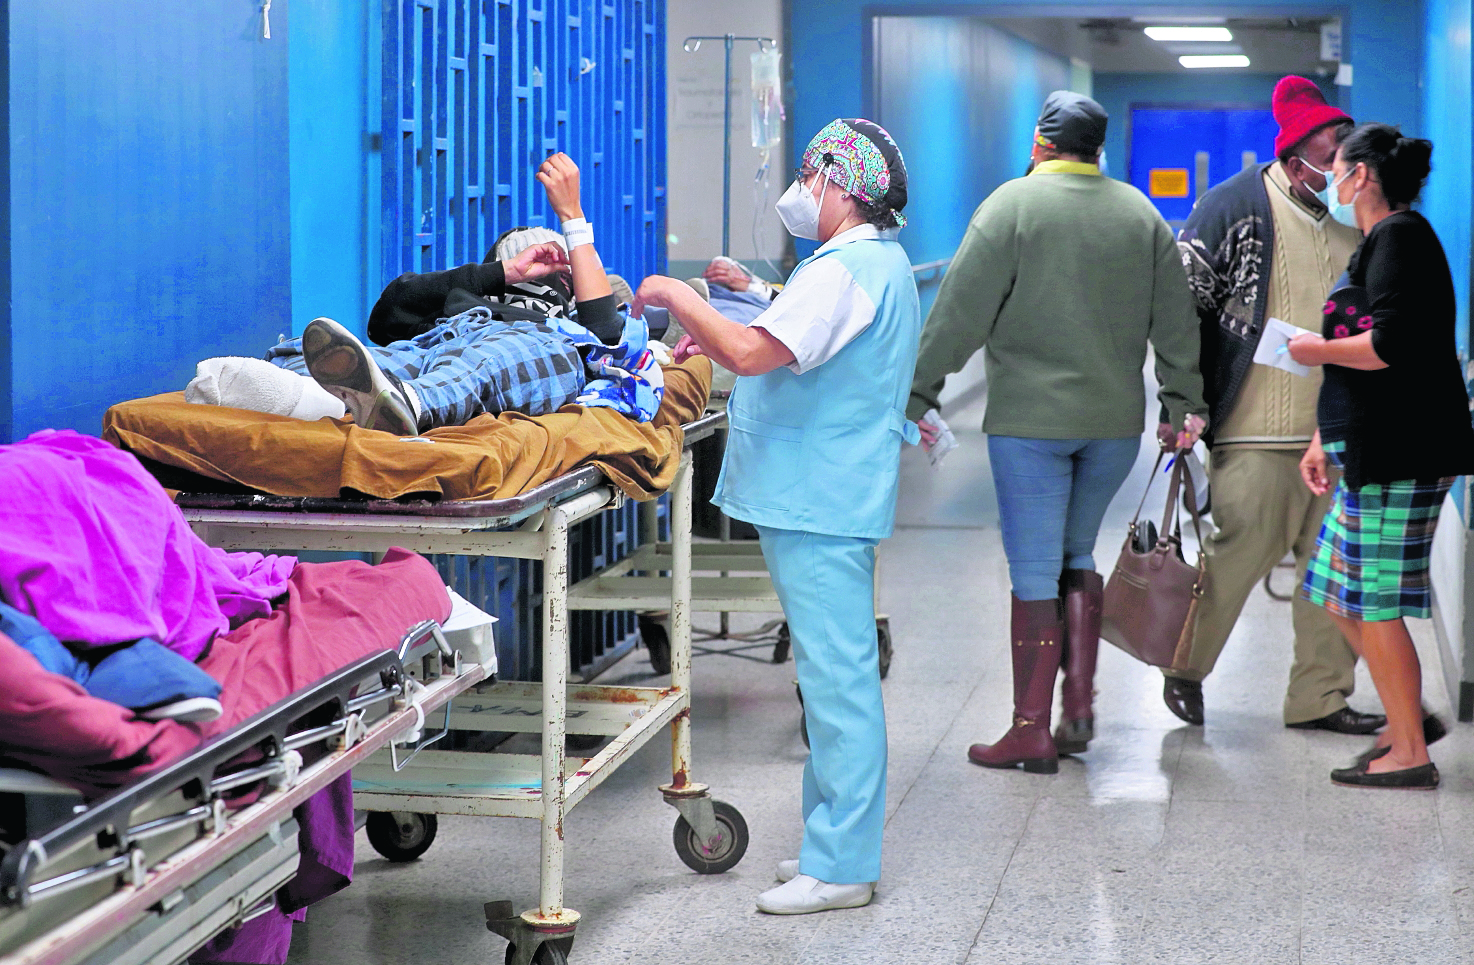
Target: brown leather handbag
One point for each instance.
(1151, 600)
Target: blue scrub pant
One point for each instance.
(1052, 496)
(826, 585)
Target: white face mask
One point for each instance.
(799, 211)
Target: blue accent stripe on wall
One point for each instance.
(148, 208)
(329, 149)
(6, 432)
(1448, 103)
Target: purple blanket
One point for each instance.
(92, 546)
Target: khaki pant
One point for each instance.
(1263, 511)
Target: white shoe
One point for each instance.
(805, 895)
(190, 710)
(788, 870)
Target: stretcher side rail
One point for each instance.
(211, 770)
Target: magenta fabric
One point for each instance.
(325, 839)
(92, 546)
(50, 723)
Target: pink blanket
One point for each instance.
(92, 546)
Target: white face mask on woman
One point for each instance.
(799, 211)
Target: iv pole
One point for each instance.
(691, 45)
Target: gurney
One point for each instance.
(148, 873)
(710, 836)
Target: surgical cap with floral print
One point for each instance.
(860, 157)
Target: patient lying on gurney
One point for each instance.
(531, 329)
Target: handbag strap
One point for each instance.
(1146, 492)
(1189, 496)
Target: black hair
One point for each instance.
(878, 213)
(1401, 163)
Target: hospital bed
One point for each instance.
(149, 873)
(709, 836)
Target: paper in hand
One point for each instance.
(1273, 347)
(945, 443)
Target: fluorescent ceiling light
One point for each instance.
(1214, 60)
(1171, 34)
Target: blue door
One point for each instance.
(1178, 153)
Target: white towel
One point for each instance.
(258, 385)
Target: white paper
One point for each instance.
(1277, 335)
(945, 443)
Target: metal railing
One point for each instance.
(934, 269)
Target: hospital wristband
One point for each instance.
(578, 231)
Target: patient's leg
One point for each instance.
(375, 396)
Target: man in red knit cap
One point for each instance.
(1261, 245)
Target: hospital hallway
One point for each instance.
(1164, 843)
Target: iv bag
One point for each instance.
(767, 99)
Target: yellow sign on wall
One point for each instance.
(1167, 183)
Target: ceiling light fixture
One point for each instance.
(1213, 60)
(1177, 34)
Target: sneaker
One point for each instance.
(341, 364)
(190, 710)
(805, 895)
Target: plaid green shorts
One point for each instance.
(1371, 559)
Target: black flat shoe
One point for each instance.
(1424, 778)
(1369, 755)
(1343, 721)
(1184, 698)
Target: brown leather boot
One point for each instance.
(1037, 632)
(1083, 592)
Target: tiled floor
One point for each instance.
(1163, 844)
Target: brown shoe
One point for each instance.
(1083, 593)
(1037, 633)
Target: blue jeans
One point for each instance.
(1052, 496)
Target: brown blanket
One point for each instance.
(487, 458)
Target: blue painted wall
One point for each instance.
(1384, 40)
(330, 94)
(1117, 92)
(148, 174)
(941, 82)
(1447, 109)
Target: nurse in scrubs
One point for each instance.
(817, 420)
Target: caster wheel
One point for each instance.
(583, 742)
(883, 642)
(657, 641)
(728, 851)
(783, 646)
(401, 835)
(803, 719)
(548, 953)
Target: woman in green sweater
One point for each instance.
(1063, 277)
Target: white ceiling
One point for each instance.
(1118, 45)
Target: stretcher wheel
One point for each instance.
(726, 854)
(548, 953)
(783, 646)
(401, 835)
(657, 641)
(883, 642)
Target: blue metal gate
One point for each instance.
(475, 94)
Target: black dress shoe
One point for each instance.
(1424, 778)
(1343, 721)
(1184, 698)
(1434, 729)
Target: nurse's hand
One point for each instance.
(929, 434)
(660, 291)
(686, 348)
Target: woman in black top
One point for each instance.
(1394, 415)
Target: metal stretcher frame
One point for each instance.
(165, 906)
(531, 526)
